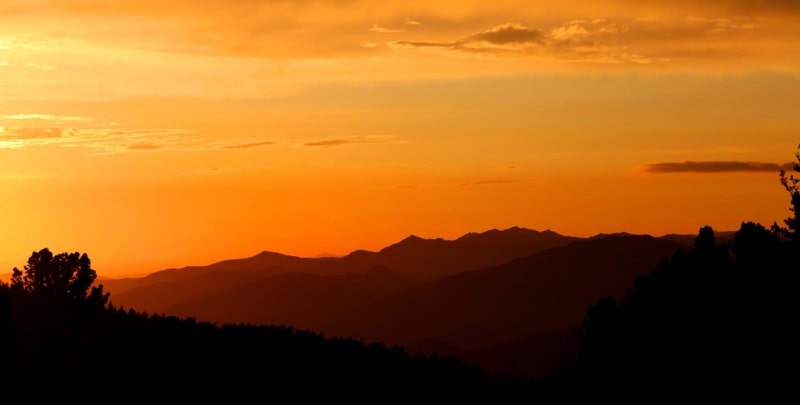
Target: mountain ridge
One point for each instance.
(413, 257)
(413, 238)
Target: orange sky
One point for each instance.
(152, 134)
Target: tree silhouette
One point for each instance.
(719, 319)
(792, 185)
(59, 278)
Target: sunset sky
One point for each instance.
(153, 134)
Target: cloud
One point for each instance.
(143, 146)
(113, 140)
(383, 30)
(302, 42)
(577, 40)
(102, 140)
(508, 34)
(353, 140)
(249, 145)
(501, 36)
(714, 167)
(423, 44)
(49, 117)
(21, 134)
(582, 33)
(723, 25)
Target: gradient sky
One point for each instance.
(152, 134)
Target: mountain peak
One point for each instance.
(513, 232)
(411, 238)
(267, 253)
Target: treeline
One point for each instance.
(719, 320)
(59, 335)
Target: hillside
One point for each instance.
(528, 297)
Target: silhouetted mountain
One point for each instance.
(428, 259)
(515, 296)
(302, 300)
(326, 254)
(156, 297)
(266, 263)
(527, 297)
(411, 258)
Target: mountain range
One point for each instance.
(503, 299)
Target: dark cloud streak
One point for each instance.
(501, 35)
(508, 34)
(347, 141)
(249, 145)
(423, 44)
(714, 167)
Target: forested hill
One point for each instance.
(60, 337)
(716, 321)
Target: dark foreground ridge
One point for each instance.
(60, 335)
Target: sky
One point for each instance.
(154, 134)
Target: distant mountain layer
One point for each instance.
(529, 296)
(483, 296)
(413, 257)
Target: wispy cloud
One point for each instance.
(506, 35)
(21, 134)
(714, 167)
(143, 146)
(723, 25)
(578, 40)
(383, 30)
(305, 31)
(102, 140)
(250, 145)
(353, 140)
(49, 117)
